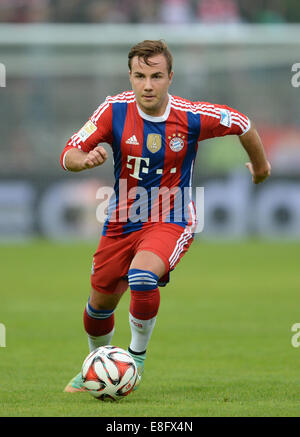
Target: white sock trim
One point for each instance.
(141, 331)
(102, 340)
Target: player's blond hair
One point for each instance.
(148, 48)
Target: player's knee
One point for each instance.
(142, 280)
(103, 301)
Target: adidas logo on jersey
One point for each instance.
(133, 140)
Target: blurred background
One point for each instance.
(60, 59)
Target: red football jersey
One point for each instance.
(153, 156)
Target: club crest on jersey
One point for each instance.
(153, 142)
(176, 142)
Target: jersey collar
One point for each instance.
(156, 119)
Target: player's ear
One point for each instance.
(171, 77)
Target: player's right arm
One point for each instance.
(77, 160)
(83, 151)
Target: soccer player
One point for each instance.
(154, 138)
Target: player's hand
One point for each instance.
(259, 176)
(95, 157)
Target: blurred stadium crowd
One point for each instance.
(149, 11)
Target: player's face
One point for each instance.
(150, 84)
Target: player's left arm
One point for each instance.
(259, 166)
(220, 120)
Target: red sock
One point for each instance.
(98, 327)
(144, 305)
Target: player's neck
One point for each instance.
(160, 113)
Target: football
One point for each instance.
(109, 373)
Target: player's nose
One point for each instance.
(148, 85)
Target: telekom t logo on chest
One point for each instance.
(141, 165)
(136, 165)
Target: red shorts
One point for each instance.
(114, 254)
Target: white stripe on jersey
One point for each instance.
(125, 95)
(211, 110)
(184, 238)
(104, 104)
(247, 128)
(107, 105)
(99, 112)
(72, 140)
(194, 111)
(244, 127)
(128, 97)
(75, 140)
(243, 121)
(195, 107)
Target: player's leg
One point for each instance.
(145, 270)
(98, 317)
(110, 264)
(157, 253)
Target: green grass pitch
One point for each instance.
(221, 346)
